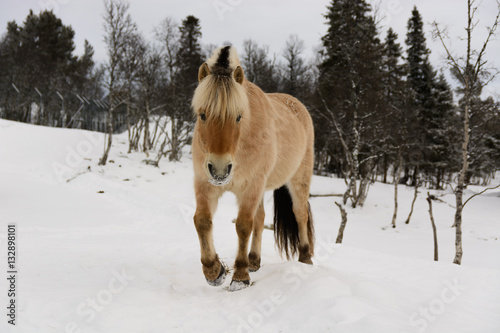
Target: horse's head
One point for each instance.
(221, 105)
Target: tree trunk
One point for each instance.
(109, 126)
(129, 129)
(174, 141)
(384, 180)
(413, 202)
(343, 214)
(459, 192)
(434, 232)
(146, 145)
(397, 177)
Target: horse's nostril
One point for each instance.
(211, 169)
(229, 167)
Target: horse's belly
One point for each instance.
(291, 155)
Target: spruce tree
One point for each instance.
(189, 56)
(350, 87)
(394, 91)
(419, 69)
(430, 99)
(184, 77)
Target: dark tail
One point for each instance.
(286, 228)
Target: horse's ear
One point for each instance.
(203, 72)
(238, 75)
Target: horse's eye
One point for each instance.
(203, 116)
(238, 118)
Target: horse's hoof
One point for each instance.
(238, 285)
(306, 261)
(254, 262)
(253, 269)
(220, 279)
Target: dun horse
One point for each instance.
(247, 142)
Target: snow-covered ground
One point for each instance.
(114, 249)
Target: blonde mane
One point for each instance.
(218, 95)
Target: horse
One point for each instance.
(247, 142)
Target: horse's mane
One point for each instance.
(218, 95)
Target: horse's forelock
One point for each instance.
(220, 97)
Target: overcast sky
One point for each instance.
(268, 22)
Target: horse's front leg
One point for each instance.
(255, 249)
(244, 227)
(213, 270)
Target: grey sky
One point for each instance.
(265, 21)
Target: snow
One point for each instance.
(114, 249)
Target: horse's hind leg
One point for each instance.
(255, 250)
(299, 190)
(206, 204)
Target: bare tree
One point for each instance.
(471, 69)
(172, 141)
(167, 34)
(150, 77)
(133, 53)
(118, 27)
(356, 191)
(295, 70)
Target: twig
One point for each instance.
(325, 195)
(475, 195)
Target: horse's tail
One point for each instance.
(286, 228)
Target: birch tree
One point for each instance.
(118, 27)
(471, 69)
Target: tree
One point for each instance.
(259, 69)
(182, 79)
(431, 111)
(350, 89)
(295, 80)
(189, 54)
(118, 29)
(395, 117)
(151, 80)
(133, 53)
(470, 68)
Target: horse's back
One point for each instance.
(294, 136)
(291, 106)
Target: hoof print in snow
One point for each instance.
(238, 285)
(220, 279)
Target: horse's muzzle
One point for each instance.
(221, 174)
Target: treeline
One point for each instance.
(380, 108)
(40, 77)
